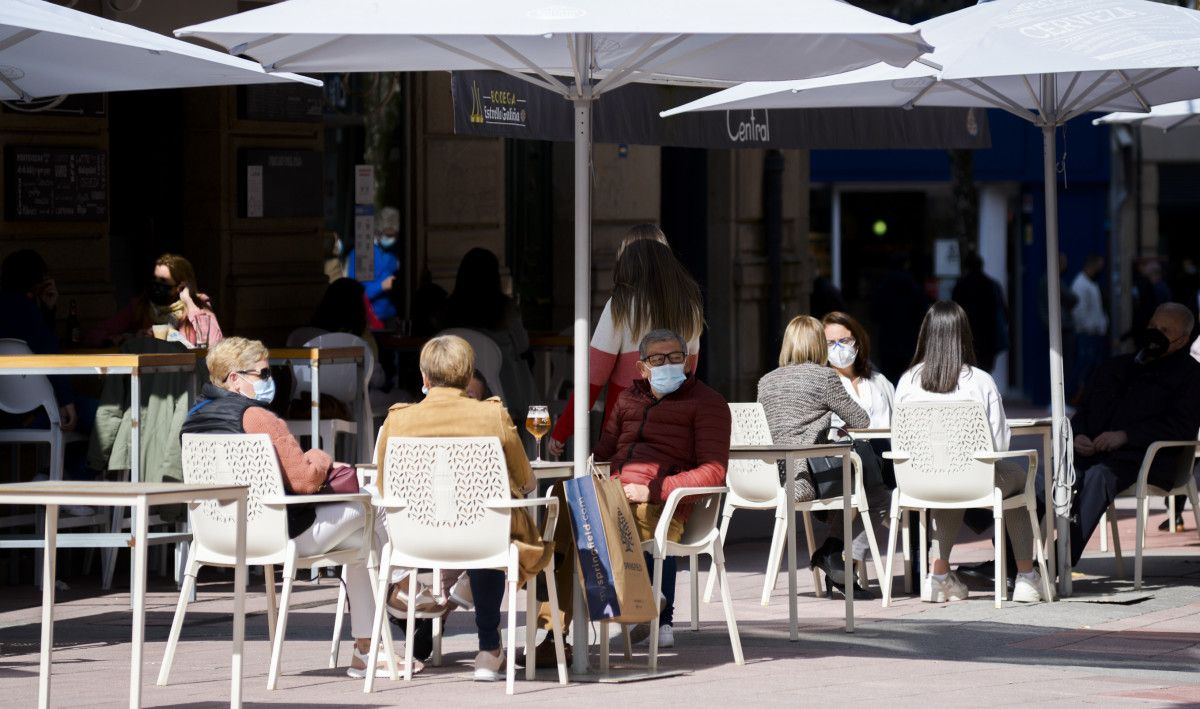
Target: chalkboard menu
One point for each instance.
(280, 183)
(290, 102)
(55, 184)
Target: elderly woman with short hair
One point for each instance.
(235, 401)
(447, 364)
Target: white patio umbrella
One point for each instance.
(1166, 117)
(598, 46)
(49, 50)
(1046, 62)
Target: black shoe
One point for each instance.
(860, 593)
(828, 558)
(984, 571)
(422, 640)
(1166, 524)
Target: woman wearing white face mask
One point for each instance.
(235, 401)
(850, 356)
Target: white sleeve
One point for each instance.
(887, 392)
(994, 406)
(605, 337)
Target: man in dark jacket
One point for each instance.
(983, 300)
(1131, 402)
(667, 431)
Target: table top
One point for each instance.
(96, 361)
(108, 489)
(787, 448)
(319, 354)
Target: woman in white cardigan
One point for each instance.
(943, 369)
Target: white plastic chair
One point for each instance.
(945, 459)
(488, 358)
(755, 485)
(700, 536)
(448, 506)
(20, 394)
(249, 459)
(23, 393)
(1143, 491)
(340, 382)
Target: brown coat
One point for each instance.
(448, 412)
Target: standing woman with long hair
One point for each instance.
(943, 369)
(651, 290)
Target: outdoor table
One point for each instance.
(791, 454)
(314, 357)
(139, 496)
(1018, 427)
(131, 365)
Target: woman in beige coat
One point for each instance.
(447, 364)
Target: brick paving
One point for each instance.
(1105, 646)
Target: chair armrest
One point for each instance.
(673, 500)
(307, 499)
(366, 466)
(550, 503)
(897, 455)
(1148, 460)
(389, 503)
(992, 456)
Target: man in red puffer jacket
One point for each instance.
(667, 431)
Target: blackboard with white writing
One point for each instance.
(55, 184)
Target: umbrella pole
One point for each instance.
(1057, 387)
(583, 297)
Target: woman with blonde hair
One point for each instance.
(172, 301)
(651, 290)
(235, 400)
(799, 398)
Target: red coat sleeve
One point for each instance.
(713, 424)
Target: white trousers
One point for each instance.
(338, 526)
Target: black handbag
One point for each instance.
(827, 471)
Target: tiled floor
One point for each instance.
(1105, 646)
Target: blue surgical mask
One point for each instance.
(387, 242)
(264, 390)
(667, 378)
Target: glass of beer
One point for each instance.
(537, 422)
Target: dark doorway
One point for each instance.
(685, 216)
(529, 202)
(146, 129)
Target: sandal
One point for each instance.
(381, 669)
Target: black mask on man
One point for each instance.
(162, 294)
(1152, 344)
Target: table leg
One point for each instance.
(48, 575)
(314, 366)
(138, 590)
(239, 601)
(789, 522)
(848, 536)
(135, 458)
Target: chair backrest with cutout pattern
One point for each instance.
(446, 485)
(751, 480)
(942, 439)
(240, 459)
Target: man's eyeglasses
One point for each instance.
(264, 373)
(657, 360)
(844, 342)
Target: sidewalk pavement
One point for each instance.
(1107, 645)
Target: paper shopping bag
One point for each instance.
(609, 557)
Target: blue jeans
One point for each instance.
(487, 588)
(667, 614)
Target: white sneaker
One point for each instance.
(489, 667)
(666, 637)
(1025, 589)
(381, 668)
(934, 590)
